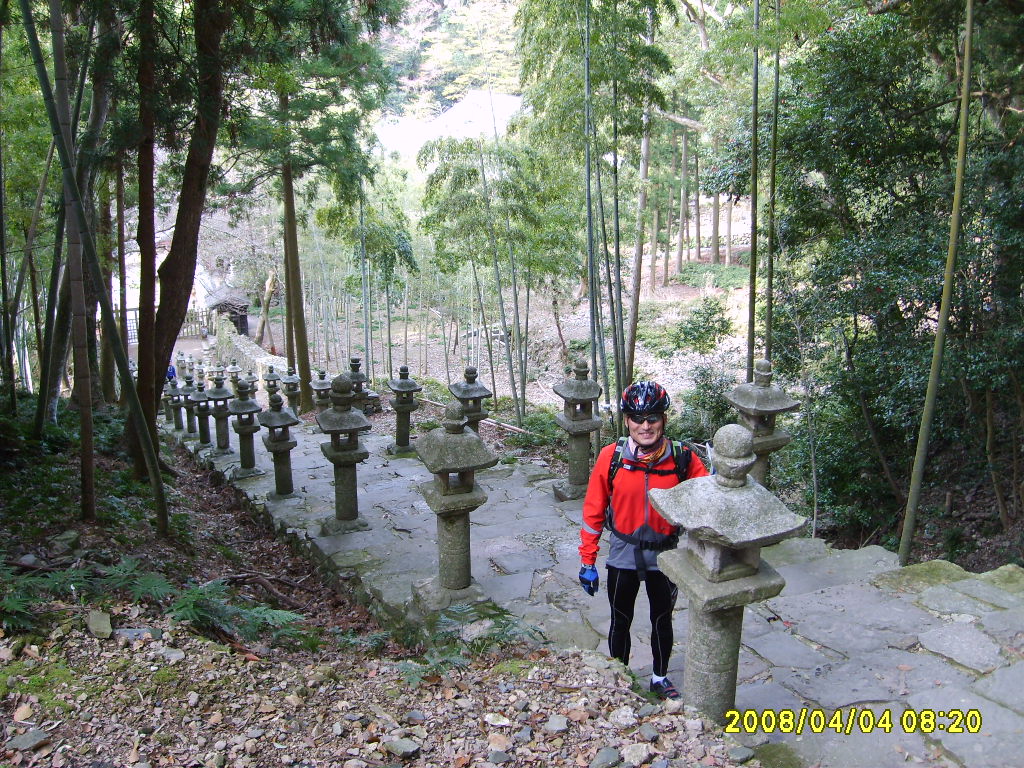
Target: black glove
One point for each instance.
(589, 580)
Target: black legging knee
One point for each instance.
(623, 587)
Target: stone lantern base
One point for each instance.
(403, 451)
(429, 597)
(238, 473)
(566, 491)
(333, 526)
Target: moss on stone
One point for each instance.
(918, 577)
(1006, 577)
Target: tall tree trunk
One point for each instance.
(268, 296)
(752, 279)
(729, 205)
(294, 276)
(652, 268)
(684, 203)
(638, 248)
(7, 311)
(716, 253)
(104, 230)
(769, 273)
(75, 279)
(122, 268)
(177, 273)
(151, 370)
(696, 203)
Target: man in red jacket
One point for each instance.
(617, 497)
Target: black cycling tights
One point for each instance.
(623, 587)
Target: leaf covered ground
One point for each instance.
(226, 649)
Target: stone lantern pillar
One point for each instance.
(727, 518)
(454, 456)
(219, 396)
(343, 423)
(404, 402)
(271, 381)
(188, 404)
(234, 371)
(179, 364)
(759, 403)
(471, 394)
(577, 418)
(321, 391)
(279, 444)
(201, 407)
(190, 364)
(291, 382)
(244, 409)
(177, 401)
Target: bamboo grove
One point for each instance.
(801, 154)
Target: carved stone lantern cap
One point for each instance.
(355, 375)
(243, 404)
(271, 375)
(219, 391)
(320, 383)
(199, 394)
(291, 378)
(470, 389)
(452, 449)
(579, 389)
(189, 387)
(234, 369)
(342, 417)
(760, 398)
(276, 417)
(403, 383)
(738, 517)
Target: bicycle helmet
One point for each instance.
(644, 397)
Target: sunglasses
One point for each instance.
(651, 418)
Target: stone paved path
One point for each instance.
(851, 631)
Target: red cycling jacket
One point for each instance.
(628, 498)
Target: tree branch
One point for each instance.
(686, 122)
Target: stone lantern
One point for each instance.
(188, 404)
(279, 444)
(234, 371)
(219, 396)
(321, 391)
(471, 394)
(358, 383)
(201, 407)
(453, 455)
(344, 423)
(291, 382)
(577, 418)
(177, 401)
(404, 402)
(166, 400)
(190, 364)
(759, 403)
(179, 363)
(271, 381)
(244, 409)
(727, 518)
(213, 371)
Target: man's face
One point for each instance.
(646, 434)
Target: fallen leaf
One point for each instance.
(904, 667)
(216, 718)
(23, 713)
(578, 715)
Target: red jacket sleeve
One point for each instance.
(595, 505)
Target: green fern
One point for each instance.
(72, 582)
(150, 586)
(208, 607)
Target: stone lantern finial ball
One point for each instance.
(403, 372)
(275, 402)
(763, 373)
(734, 441)
(581, 369)
(341, 383)
(454, 418)
(471, 373)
